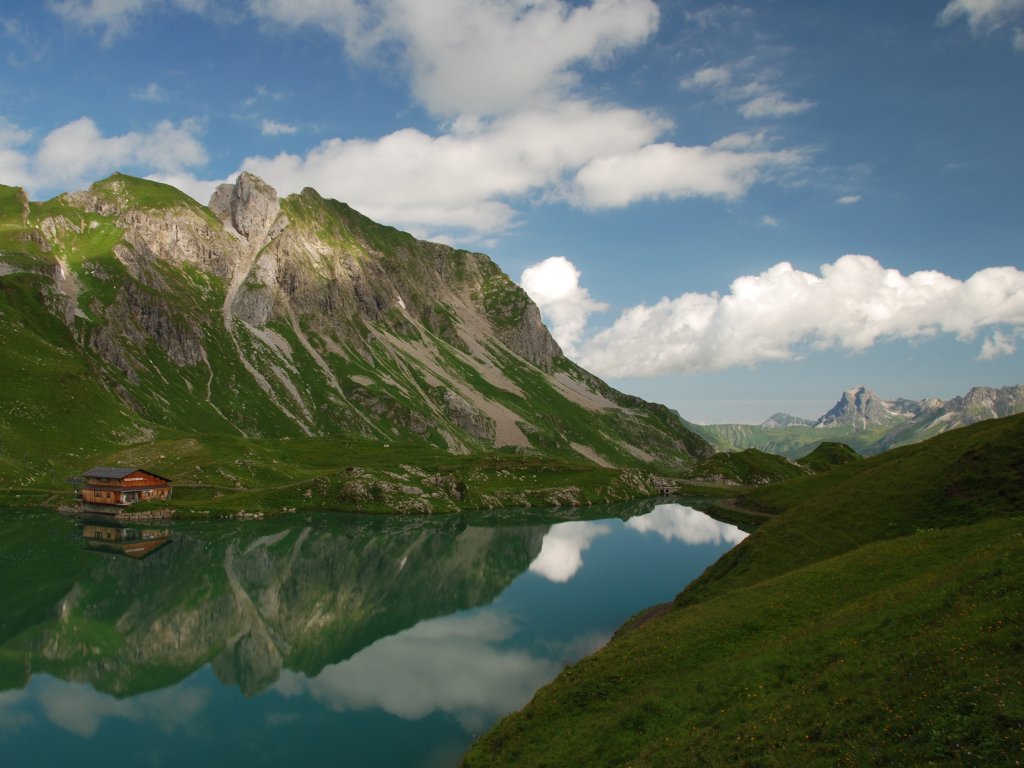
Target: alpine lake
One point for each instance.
(313, 640)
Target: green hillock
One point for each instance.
(749, 467)
(828, 455)
(878, 619)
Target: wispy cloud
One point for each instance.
(848, 200)
(152, 92)
(986, 16)
(274, 128)
(997, 345)
(114, 19)
(262, 93)
(783, 313)
(26, 47)
(982, 15)
(719, 15)
(756, 98)
(769, 221)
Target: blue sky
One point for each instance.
(732, 208)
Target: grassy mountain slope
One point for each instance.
(877, 620)
(793, 441)
(134, 316)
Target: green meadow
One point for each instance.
(876, 619)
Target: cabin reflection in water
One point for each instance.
(114, 538)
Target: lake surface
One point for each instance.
(316, 640)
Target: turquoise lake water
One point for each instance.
(316, 640)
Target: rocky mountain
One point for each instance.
(130, 312)
(935, 416)
(861, 408)
(867, 422)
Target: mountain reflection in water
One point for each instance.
(418, 631)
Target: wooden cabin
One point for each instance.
(120, 486)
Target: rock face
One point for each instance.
(250, 205)
(863, 409)
(277, 317)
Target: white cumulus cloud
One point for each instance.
(13, 160)
(78, 152)
(466, 177)
(470, 177)
(776, 315)
(554, 286)
(477, 56)
(664, 170)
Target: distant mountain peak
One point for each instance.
(861, 408)
(786, 420)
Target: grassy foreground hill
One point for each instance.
(878, 619)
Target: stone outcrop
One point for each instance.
(250, 206)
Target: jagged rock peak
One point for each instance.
(861, 408)
(858, 406)
(250, 205)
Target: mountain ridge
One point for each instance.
(134, 312)
(868, 423)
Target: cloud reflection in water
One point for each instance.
(674, 521)
(561, 553)
(453, 664)
(81, 709)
